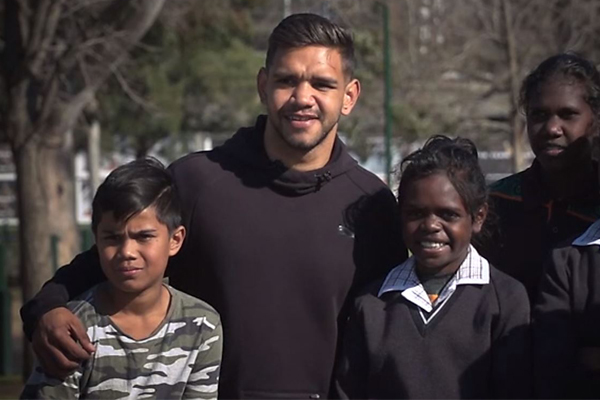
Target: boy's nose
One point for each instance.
(127, 249)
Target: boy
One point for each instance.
(151, 339)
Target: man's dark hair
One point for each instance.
(135, 186)
(570, 66)
(301, 30)
(457, 158)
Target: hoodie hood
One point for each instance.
(246, 147)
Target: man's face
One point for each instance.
(559, 121)
(305, 91)
(134, 254)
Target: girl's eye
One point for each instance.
(414, 213)
(449, 215)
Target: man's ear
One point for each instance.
(261, 84)
(479, 218)
(351, 94)
(177, 237)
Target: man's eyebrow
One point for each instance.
(325, 79)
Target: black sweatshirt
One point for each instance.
(531, 224)
(567, 324)
(276, 252)
(477, 346)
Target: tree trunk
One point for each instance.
(59, 185)
(34, 226)
(513, 65)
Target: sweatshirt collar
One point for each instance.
(591, 237)
(247, 147)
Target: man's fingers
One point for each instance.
(53, 362)
(78, 332)
(65, 347)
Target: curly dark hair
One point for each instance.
(457, 158)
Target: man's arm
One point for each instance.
(378, 244)
(42, 386)
(58, 337)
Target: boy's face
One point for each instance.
(134, 254)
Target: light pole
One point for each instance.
(387, 99)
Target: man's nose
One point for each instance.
(303, 94)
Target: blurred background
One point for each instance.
(91, 84)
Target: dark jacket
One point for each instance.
(477, 346)
(530, 224)
(567, 325)
(276, 252)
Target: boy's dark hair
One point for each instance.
(457, 158)
(301, 30)
(135, 186)
(567, 65)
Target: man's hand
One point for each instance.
(61, 343)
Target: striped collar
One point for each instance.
(591, 237)
(475, 270)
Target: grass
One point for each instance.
(10, 386)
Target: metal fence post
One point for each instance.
(5, 316)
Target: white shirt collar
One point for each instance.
(475, 270)
(591, 237)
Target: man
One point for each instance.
(282, 223)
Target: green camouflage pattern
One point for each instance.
(180, 360)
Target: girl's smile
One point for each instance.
(437, 227)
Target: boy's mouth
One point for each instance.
(128, 271)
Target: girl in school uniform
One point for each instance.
(445, 323)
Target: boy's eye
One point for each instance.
(111, 237)
(144, 237)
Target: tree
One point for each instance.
(56, 55)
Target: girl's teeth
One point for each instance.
(431, 245)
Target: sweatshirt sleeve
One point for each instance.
(68, 282)
(554, 338)
(511, 346)
(378, 244)
(350, 379)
